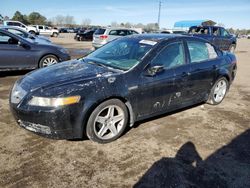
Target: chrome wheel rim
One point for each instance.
(220, 90)
(109, 122)
(49, 61)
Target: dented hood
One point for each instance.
(62, 73)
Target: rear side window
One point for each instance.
(100, 31)
(118, 32)
(132, 32)
(201, 51)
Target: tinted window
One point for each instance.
(224, 32)
(201, 51)
(132, 32)
(5, 39)
(215, 31)
(197, 30)
(40, 27)
(170, 56)
(100, 31)
(118, 32)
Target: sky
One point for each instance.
(235, 14)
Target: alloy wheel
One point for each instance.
(109, 122)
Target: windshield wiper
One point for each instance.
(98, 64)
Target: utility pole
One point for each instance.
(159, 14)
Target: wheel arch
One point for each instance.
(91, 108)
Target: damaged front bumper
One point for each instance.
(61, 123)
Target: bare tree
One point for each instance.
(58, 20)
(221, 24)
(114, 24)
(86, 22)
(69, 20)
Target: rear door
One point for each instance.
(204, 65)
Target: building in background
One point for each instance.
(186, 24)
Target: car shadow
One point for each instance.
(13, 73)
(137, 124)
(229, 166)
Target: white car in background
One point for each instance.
(45, 30)
(105, 35)
(30, 29)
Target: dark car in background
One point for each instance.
(86, 35)
(127, 80)
(19, 53)
(218, 36)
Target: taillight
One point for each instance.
(103, 37)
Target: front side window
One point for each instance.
(6, 39)
(200, 51)
(40, 27)
(224, 32)
(121, 54)
(171, 56)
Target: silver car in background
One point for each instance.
(105, 35)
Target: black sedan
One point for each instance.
(84, 36)
(127, 80)
(18, 53)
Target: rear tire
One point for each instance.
(107, 122)
(55, 34)
(32, 32)
(218, 91)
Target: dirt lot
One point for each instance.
(203, 146)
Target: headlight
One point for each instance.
(63, 50)
(53, 102)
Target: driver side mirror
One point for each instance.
(152, 71)
(24, 45)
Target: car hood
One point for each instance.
(62, 73)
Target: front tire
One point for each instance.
(232, 48)
(48, 60)
(107, 122)
(218, 91)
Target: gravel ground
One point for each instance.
(203, 146)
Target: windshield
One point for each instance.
(121, 54)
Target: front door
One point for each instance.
(158, 91)
(13, 56)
